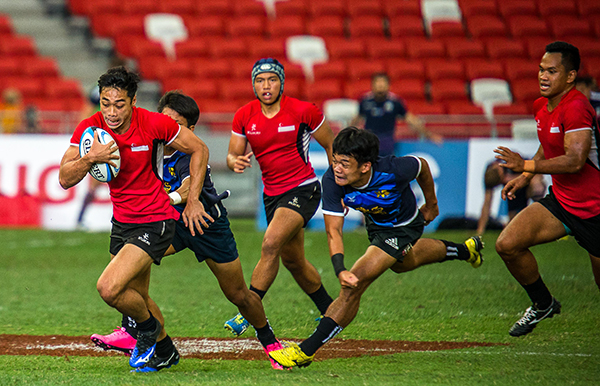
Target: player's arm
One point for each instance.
(181, 194)
(194, 213)
(418, 125)
(430, 208)
(334, 226)
(324, 136)
(237, 159)
(485, 211)
(73, 167)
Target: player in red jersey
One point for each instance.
(143, 219)
(278, 129)
(568, 131)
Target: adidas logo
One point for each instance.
(393, 242)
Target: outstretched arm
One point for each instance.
(237, 159)
(334, 226)
(430, 209)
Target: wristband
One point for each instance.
(529, 166)
(176, 197)
(338, 263)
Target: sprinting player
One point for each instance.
(496, 175)
(380, 110)
(379, 187)
(216, 246)
(278, 129)
(144, 222)
(568, 134)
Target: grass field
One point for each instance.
(48, 287)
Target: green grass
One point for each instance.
(48, 286)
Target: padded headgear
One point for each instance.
(268, 65)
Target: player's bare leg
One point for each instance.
(425, 251)
(294, 259)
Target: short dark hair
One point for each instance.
(363, 145)
(380, 75)
(182, 104)
(586, 80)
(119, 77)
(570, 54)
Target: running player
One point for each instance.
(216, 246)
(568, 151)
(278, 129)
(143, 220)
(379, 187)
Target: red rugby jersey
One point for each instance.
(137, 193)
(578, 193)
(280, 144)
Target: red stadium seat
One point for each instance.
(93, 8)
(139, 7)
(510, 8)
(242, 26)
(409, 89)
(342, 48)
(212, 68)
(128, 25)
(63, 88)
(291, 7)
(242, 67)
(525, 26)
(41, 67)
(205, 26)
(262, 48)
(245, 8)
(513, 109)
(17, 45)
(6, 27)
(382, 48)
(588, 46)
(358, 69)
(202, 88)
(10, 66)
(29, 87)
(195, 47)
(471, 8)
(361, 26)
(557, 7)
(499, 48)
(292, 70)
(423, 48)
(330, 7)
(356, 8)
(393, 8)
(589, 8)
(227, 48)
(437, 68)
(234, 89)
(356, 89)
(284, 26)
(398, 69)
(149, 66)
(333, 69)
(219, 106)
(564, 27)
(463, 108)
(179, 7)
(446, 29)
(516, 69)
(179, 68)
(462, 48)
(294, 88)
(326, 26)
(525, 90)
(146, 48)
(536, 46)
(213, 8)
(486, 26)
(318, 92)
(482, 68)
(426, 108)
(448, 89)
(406, 26)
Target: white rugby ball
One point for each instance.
(102, 172)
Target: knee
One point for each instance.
(270, 248)
(239, 297)
(108, 293)
(506, 248)
(290, 264)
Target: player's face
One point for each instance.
(177, 117)
(380, 87)
(116, 108)
(267, 86)
(347, 171)
(553, 77)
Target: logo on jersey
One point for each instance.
(393, 242)
(283, 129)
(253, 130)
(383, 193)
(294, 202)
(139, 148)
(554, 129)
(144, 238)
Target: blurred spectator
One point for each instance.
(496, 175)
(32, 120)
(588, 87)
(11, 111)
(379, 112)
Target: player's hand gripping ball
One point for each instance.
(102, 172)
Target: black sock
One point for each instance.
(326, 330)
(259, 292)
(148, 324)
(130, 325)
(539, 294)
(321, 299)
(455, 251)
(265, 335)
(164, 347)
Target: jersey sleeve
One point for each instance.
(332, 195)
(313, 117)
(182, 167)
(237, 126)
(406, 168)
(361, 108)
(578, 116)
(91, 121)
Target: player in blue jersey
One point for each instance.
(216, 246)
(379, 187)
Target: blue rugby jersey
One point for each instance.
(177, 169)
(387, 200)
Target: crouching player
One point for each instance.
(380, 188)
(216, 246)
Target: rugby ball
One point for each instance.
(102, 172)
